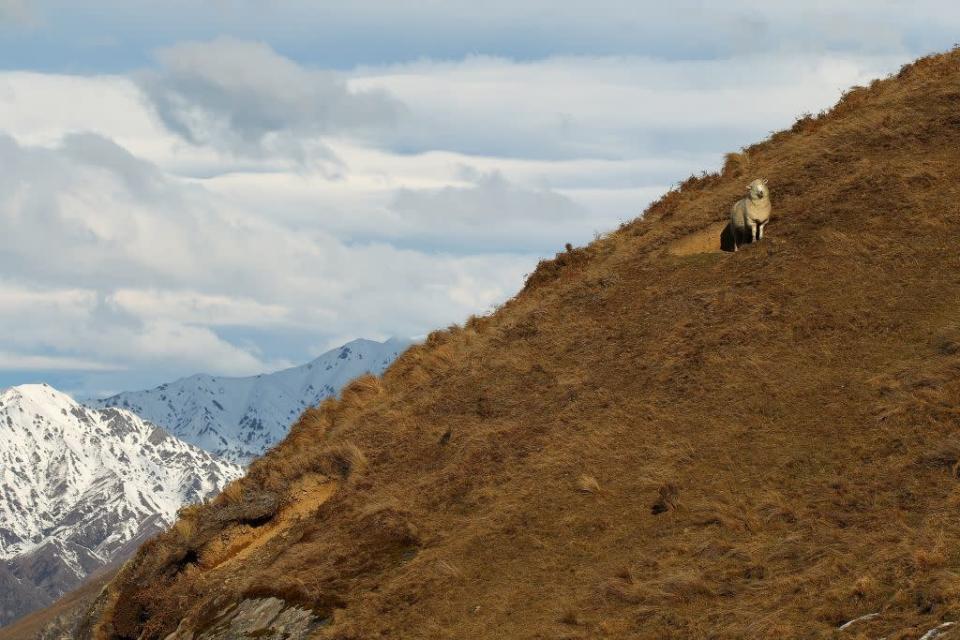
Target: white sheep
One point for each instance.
(751, 212)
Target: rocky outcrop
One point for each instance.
(261, 618)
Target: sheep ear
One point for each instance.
(749, 186)
(764, 181)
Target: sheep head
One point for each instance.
(758, 189)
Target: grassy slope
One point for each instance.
(775, 434)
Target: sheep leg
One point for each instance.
(735, 236)
(753, 231)
(760, 231)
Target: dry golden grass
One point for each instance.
(589, 484)
(356, 394)
(232, 492)
(776, 429)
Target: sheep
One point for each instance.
(751, 212)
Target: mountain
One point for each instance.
(240, 418)
(654, 439)
(57, 621)
(82, 488)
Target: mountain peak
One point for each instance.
(38, 399)
(36, 391)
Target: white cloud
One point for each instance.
(245, 98)
(610, 107)
(198, 308)
(77, 329)
(490, 213)
(162, 342)
(34, 362)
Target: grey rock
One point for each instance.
(261, 618)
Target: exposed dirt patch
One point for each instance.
(705, 241)
(306, 495)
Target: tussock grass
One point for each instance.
(359, 392)
(588, 484)
(344, 459)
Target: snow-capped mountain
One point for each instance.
(240, 418)
(79, 487)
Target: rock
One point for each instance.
(261, 618)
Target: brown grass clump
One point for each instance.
(360, 391)
(184, 528)
(735, 165)
(231, 493)
(667, 499)
(622, 588)
(775, 430)
(588, 484)
(344, 459)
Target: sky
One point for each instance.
(234, 187)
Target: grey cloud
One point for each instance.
(611, 108)
(492, 199)
(138, 176)
(77, 214)
(491, 214)
(15, 11)
(245, 98)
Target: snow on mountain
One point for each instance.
(240, 418)
(78, 485)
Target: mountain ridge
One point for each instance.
(238, 418)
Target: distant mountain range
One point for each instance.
(240, 418)
(80, 488)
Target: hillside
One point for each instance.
(82, 489)
(652, 440)
(239, 418)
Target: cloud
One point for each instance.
(245, 98)
(491, 199)
(198, 308)
(490, 214)
(15, 11)
(33, 362)
(610, 107)
(84, 329)
(111, 260)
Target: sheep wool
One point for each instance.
(751, 213)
